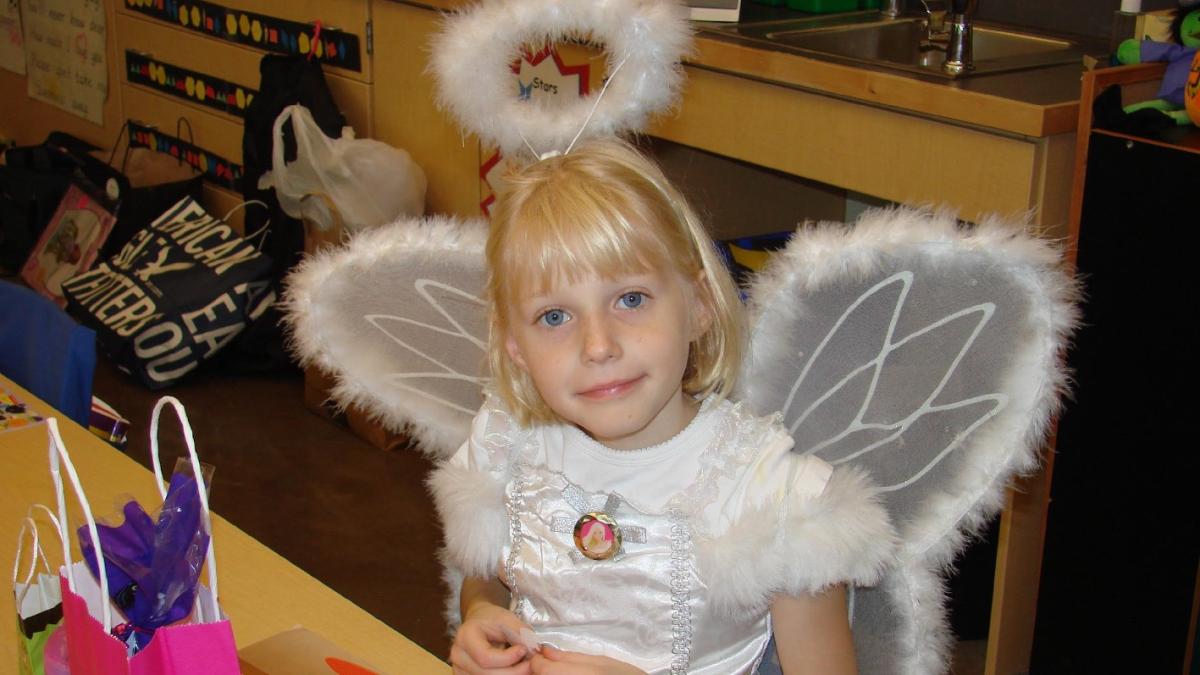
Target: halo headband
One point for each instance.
(644, 39)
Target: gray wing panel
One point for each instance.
(931, 356)
(397, 316)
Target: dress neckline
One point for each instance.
(650, 454)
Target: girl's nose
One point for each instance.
(599, 342)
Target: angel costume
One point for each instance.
(710, 524)
(927, 352)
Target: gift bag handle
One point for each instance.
(59, 455)
(125, 131)
(29, 526)
(112, 154)
(260, 233)
(205, 514)
(179, 125)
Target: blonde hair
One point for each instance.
(603, 209)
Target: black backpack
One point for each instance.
(285, 80)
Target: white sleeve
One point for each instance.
(841, 535)
(775, 478)
(798, 526)
(468, 491)
(494, 436)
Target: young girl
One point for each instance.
(612, 511)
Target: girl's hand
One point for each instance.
(485, 643)
(551, 661)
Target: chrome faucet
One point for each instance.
(935, 22)
(958, 49)
(948, 23)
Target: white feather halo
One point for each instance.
(644, 39)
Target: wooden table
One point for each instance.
(262, 593)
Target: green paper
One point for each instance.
(33, 656)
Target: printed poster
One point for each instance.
(65, 57)
(550, 73)
(12, 38)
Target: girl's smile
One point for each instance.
(611, 389)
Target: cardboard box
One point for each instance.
(300, 651)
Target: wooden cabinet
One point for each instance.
(230, 62)
(407, 117)
(887, 153)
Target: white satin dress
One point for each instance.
(651, 604)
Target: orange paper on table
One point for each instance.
(300, 651)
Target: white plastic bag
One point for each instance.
(370, 182)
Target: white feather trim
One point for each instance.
(453, 577)
(841, 536)
(924, 641)
(471, 57)
(470, 504)
(316, 326)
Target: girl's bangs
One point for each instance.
(564, 241)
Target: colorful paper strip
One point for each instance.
(190, 85)
(330, 46)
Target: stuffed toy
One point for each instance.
(1179, 55)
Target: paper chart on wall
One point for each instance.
(12, 38)
(65, 52)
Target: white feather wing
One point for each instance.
(396, 316)
(930, 355)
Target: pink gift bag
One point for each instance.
(200, 644)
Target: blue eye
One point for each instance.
(632, 300)
(553, 317)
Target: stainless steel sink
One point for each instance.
(867, 38)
